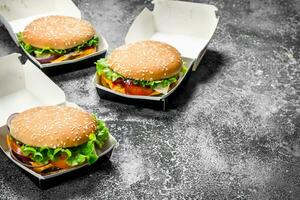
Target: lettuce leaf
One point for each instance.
(75, 155)
(103, 68)
(44, 51)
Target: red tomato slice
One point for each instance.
(61, 163)
(13, 145)
(119, 81)
(137, 90)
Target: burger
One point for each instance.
(147, 68)
(52, 138)
(54, 39)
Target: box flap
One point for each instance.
(24, 86)
(15, 15)
(186, 26)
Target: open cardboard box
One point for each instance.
(17, 14)
(19, 91)
(187, 26)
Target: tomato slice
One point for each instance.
(13, 145)
(119, 81)
(61, 163)
(136, 89)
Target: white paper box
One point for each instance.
(23, 86)
(17, 14)
(186, 26)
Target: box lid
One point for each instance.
(23, 86)
(15, 15)
(186, 26)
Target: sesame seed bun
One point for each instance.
(53, 126)
(57, 32)
(146, 60)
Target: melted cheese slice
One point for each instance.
(108, 83)
(73, 55)
(40, 169)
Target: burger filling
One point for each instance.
(46, 160)
(49, 55)
(119, 83)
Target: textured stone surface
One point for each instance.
(235, 133)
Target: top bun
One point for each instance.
(57, 32)
(53, 126)
(146, 60)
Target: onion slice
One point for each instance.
(46, 59)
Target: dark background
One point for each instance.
(233, 134)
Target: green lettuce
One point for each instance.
(45, 51)
(75, 155)
(103, 68)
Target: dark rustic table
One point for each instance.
(234, 133)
